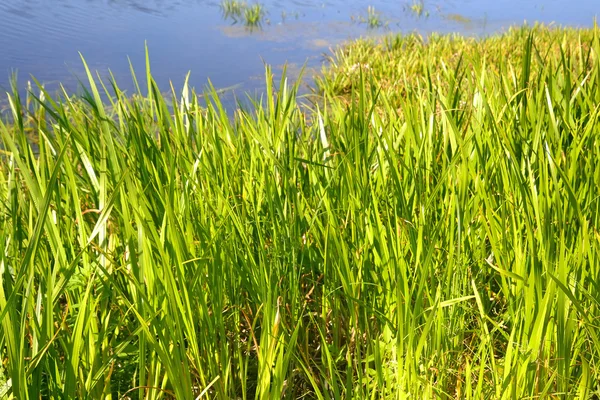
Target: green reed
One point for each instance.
(429, 230)
(251, 15)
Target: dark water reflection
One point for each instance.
(43, 37)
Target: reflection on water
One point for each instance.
(44, 37)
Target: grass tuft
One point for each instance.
(373, 19)
(233, 8)
(252, 16)
(417, 8)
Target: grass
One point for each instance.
(254, 15)
(251, 15)
(417, 8)
(233, 8)
(372, 19)
(429, 229)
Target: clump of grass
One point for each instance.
(417, 8)
(251, 15)
(430, 229)
(373, 19)
(233, 8)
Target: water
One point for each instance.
(43, 38)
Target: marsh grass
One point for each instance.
(429, 230)
(251, 15)
(233, 8)
(417, 8)
(372, 18)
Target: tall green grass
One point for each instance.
(428, 230)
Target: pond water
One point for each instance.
(43, 38)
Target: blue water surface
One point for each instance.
(43, 38)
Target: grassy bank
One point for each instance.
(430, 230)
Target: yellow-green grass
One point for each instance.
(372, 18)
(251, 15)
(417, 8)
(233, 8)
(428, 230)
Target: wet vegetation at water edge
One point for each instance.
(428, 227)
(252, 15)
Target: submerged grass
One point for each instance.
(252, 16)
(417, 8)
(372, 18)
(233, 8)
(430, 230)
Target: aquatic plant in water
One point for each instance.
(417, 8)
(233, 8)
(372, 18)
(251, 15)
